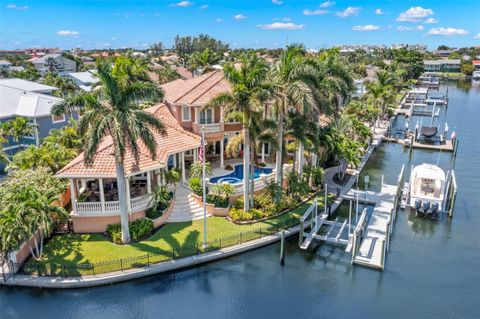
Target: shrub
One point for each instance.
(262, 164)
(229, 167)
(239, 214)
(256, 213)
(195, 184)
(138, 230)
(154, 214)
(238, 203)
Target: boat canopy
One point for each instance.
(429, 131)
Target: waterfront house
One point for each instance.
(61, 65)
(93, 188)
(444, 53)
(445, 65)
(476, 65)
(84, 80)
(22, 98)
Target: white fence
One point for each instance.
(112, 208)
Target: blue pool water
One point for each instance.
(237, 175)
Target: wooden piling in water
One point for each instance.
(282, 248)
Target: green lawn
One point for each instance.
(178, 238)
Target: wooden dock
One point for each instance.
(372, 249)
(448, 146)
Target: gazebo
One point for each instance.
(93, 188)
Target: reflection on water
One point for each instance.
(431, 271)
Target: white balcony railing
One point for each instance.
(211, 128)
(112, 208)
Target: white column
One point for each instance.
(149, 182)
(159, 180)
(102, 194)
(221, 154)
(182, 160)
(129, 200)
(72, 195)
(195, 155)
(263, 152)
(175, 164)
(197, 115)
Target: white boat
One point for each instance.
(427, 190)
(476, 75)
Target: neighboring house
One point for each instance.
(94, 188)
(444, 53)
(476, 64)
(360, 87)
(22, 98)
(62, 64)
(84, 80)
(5, 65)
(446, 65)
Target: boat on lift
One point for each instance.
(427, 190)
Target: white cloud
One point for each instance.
(405, 28)
(277, 1)
(205, 6)
(16, 7)
(368, 27)
(114, 38)
(327, 4)
(414, 14)
(477, 36)
(430, 21)
(182, 4)
(350, 11)
(379, 11)
(447, 31)
(240, 17)
(281, 26)
(308, 12)
(68, 33)
(218, 20)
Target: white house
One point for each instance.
(62, 64)
(85, 80)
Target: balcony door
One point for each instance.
(206, 116)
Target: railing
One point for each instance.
(162, 255)
(211, 128)
(137, 204)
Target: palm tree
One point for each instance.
(248, 92)
(167, 74)
(51, 65)
(112, 110)
(289, 80)
(17, 128)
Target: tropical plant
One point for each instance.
(196, 169)
(113, 110)
(17, 128)
(65, 86)
(172, 176)
(196, 186)
(247, 95)
(51, 65)
(160, 197)
(167, 74)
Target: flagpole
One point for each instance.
(204, 190)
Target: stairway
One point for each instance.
(185, 208)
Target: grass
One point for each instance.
(169, 239)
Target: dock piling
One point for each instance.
(282, 248)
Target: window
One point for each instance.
(206, 116)
(58, 119)
(186, 113)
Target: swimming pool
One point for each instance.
(237, 175)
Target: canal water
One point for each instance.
(432, 268)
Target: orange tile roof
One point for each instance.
(176, 140)
(197, 91)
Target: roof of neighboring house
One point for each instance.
(5, 62)
(476, 62)
(24, 100)
(184, 73)
(26, 85)
(196, 91)
(176, 140)
(440, 62)
(44, 58)
(85, 77)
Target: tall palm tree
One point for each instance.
(112, 110)
(248, 92)
(289, 80)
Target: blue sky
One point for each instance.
(242, 23)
